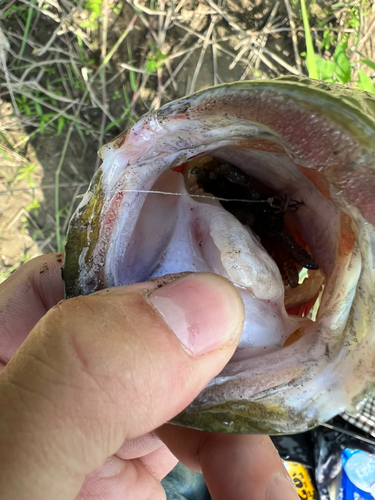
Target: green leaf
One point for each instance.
(160, 56)
(30, 14)
(94, 6)
(342, 69)
(11, 9)
(33, 206)
(126, 97)
(133, 82)
(80, 132)
(326, 42)
(353, 23)
(128, 114)
(368, 63)
(112, 124)
(155, 61)
(96, 10)
(325, 69)
(60, 125)
(365, 82)
(117, 8)
(38, 109)
(310, 59)
(151, 65)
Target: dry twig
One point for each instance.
(294, 36)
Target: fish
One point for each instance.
(270, 184)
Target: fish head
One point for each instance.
(172, 196)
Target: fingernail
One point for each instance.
(281, 488)
(203, 310)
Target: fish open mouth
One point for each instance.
(258, 220)
(269, 218)
(252, 184)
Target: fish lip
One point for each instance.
(359, 124)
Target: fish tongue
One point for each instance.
(243, 260)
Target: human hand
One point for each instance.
(95, 376)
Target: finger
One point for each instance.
(25, 297)
(244, 467)
(111, 366)
(159, 463)
(139, 447)
(117, 479)
(150, 451)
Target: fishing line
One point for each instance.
(208, 197)
(52, 186)
(282, 204)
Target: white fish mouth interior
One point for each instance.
(175, 234)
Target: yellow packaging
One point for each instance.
(301, 479)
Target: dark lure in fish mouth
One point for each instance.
(261, 212)
(271, 185)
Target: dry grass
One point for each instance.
(73, 74)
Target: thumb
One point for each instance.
(99, 369)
